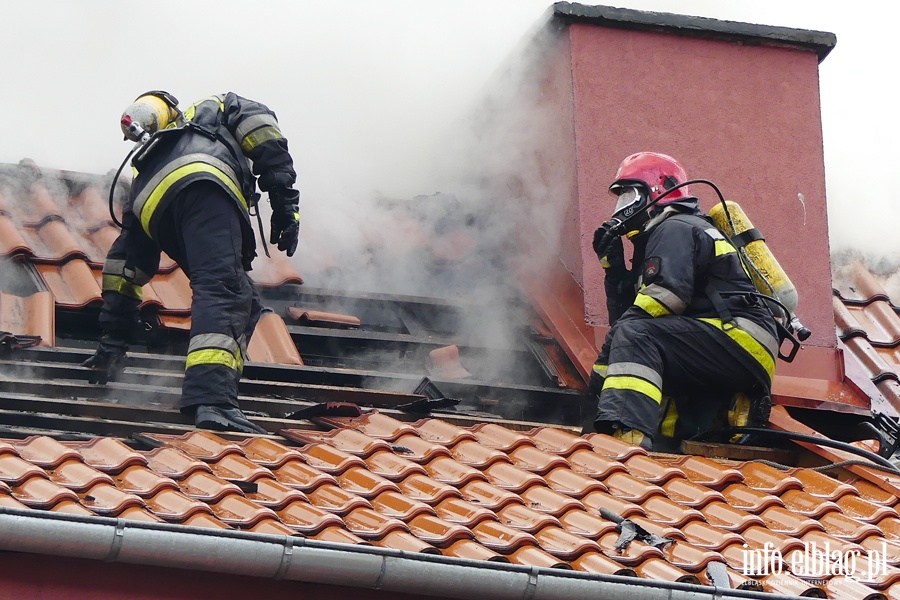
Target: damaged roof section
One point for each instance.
(50, 276)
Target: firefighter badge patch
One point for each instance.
(652, 267)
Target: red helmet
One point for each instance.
(658, 172)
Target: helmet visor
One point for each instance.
(631, 199)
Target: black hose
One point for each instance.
(112, 188)
(802, 437)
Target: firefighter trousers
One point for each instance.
(201, 231)
(672, 356)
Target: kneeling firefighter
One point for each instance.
(193, 192)
(691, 342)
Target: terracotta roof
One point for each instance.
(868, 326)
(483, 492)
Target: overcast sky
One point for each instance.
(364, 88)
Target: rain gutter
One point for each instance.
(300, 559)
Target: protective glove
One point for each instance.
(604, 237)
(108, 360)
(285, 224)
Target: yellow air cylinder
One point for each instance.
(768, 276)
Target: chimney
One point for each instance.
(735, 103)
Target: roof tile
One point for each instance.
(371, 525)
(174, 506)
(403, 540)
(350, 441)
(660, 570)
(664, 511)
(207, 487)
(173, 463)
(329, 459)
(652, 471)
(707, 472)
(77, 476)
(33, 315)
(238, 467)
(477, 455)
(108, 454)
(457, 510)
(557, 441)
(729, 518)
(441, 432)
(510, 477)
(297, 474)
(437, 532)
(37, 492)
(142, 481)
(685, 491)
(613, 448)
(472, 550)
(526, 519)
(395, 504)
(592, 464)
(428, 490)
(563, 544)
(568, 482)
(336, 499)
(238, 511)
(14, 470)
(361, 481)
(267, 453)
(108, 500)
(746, 498)
(271, 342)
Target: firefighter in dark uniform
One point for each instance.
(193, 190)
(689, 341)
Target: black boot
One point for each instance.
(222, 417)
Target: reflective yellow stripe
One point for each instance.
(115, 283)
(600, 369)
(654, 307)
(667, 428)
(748, 343)
(634, 384)
(189, 113)
(257, 137)
(723, 247)
(215, 356)
(169, 180)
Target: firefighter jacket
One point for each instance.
(684, 265)
(226, 139)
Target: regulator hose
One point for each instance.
(112, 186)
(802, 437)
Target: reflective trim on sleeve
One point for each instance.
(259, 136)
(117, 283)
(763, 350)
(636, 370)
(253, 123)
(600, 369)
(146, 202)
(652, 306)
(634, 384)
(665, 297)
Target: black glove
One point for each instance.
(108, 360)
(285, 223)
(604, 236)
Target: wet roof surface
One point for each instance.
(440, 478)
